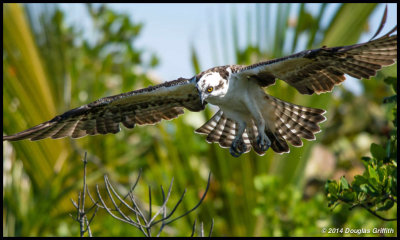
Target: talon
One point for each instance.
(233, 152)
(263, 142)
(238, 147)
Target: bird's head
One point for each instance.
(211, 86)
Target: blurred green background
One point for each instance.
(49, 67)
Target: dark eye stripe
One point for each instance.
(220, 85)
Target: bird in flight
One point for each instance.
(247, 116)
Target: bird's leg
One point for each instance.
(263, 141)
(238, 145)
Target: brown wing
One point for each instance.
(144, 106)
(319, 70)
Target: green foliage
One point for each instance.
(376, 189)
(284, 212)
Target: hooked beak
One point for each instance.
(201, 95)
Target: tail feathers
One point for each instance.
(252, 133)
(210, 124)
(222, 130)
(293, 122)
(289, 123)
(278, 143)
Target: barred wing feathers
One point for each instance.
(222, 130)
(145, 106)
(319, 70)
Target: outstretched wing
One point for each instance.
(319, 70)
(144, 106)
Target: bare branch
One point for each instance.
(211, 228)
(84, 182)
(149, 202)
(109, 186)
(134, 185)
(140, 213)
(139, 220)
(109, 211)
(376, 215)
(201, 228)
(94, 214)
(81, 214)
(164, 200)
(194, 227)
(172, 212)
(164, 207)
(74, 203)
(88, 227)
(93, 201)
(197, 205)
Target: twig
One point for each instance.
(150, 220)
(202, 228)
(81, 214)
(211, 228)
(164, 208)
(110, 212)
(198, 204)
(139, 220)
(133, 187)
(109, 186)
(376, 215)
(193, 228)
(165, 200)
(148, 229)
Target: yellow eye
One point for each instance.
(210, 89)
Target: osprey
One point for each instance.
(247, 117)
